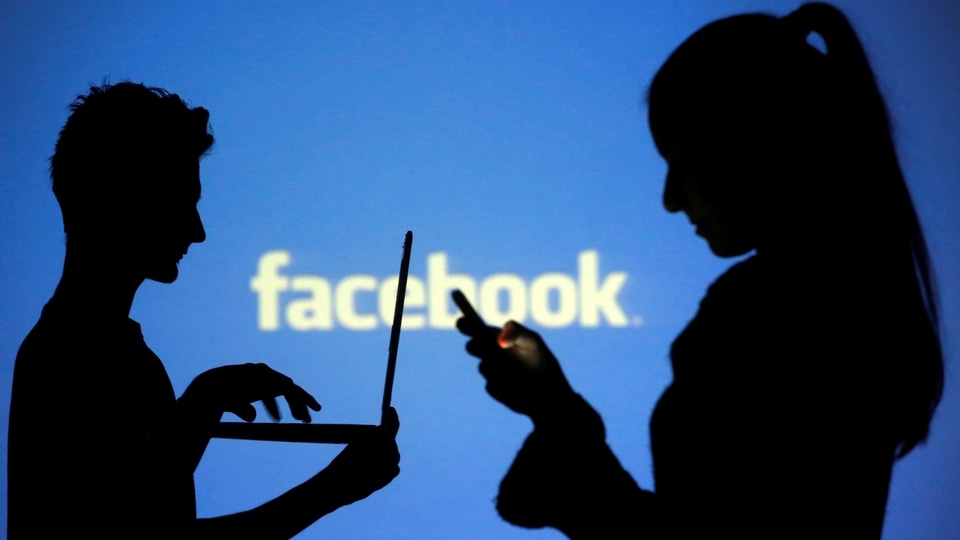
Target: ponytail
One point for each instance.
(865, 118)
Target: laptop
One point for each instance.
(333, 433)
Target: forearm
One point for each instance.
(282, 517)
(362, 468)
(566, 477)
(191, 430)
(608, 503)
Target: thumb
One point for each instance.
(523, 343)
(393, 423)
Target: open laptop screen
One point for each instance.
(334, 433)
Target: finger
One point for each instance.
(477, 348)
(484, 348)
(498, 374)
(514, 334)
(522, 343)
(476, 328)
(298, 399)
(390, 457)
(508, 335)
(298, 410)
(471, 327)
(301, 402)
(465, 326)
(488, 369)
(392, 425)
(270, 403)
(245, 411)
(310, 400)
(273, 379)
(388, 454)
(302, 397)
(495, 392)
(298, 407)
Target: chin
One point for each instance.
(726, 250)
(165, 275)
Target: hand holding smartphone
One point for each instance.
(475, 327)
(520, 370)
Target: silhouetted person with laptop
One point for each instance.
(99, 445)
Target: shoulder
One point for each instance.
(731, 306)
(71, 357)
(781, 294)
(742, 279)
(64, 342)
(42, 350)
(765, 316)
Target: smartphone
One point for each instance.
(476, 322)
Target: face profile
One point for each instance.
(715, 222)
(753, 132)
(126, 173)
(168, 223)
(717, 218)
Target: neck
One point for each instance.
(99, 279)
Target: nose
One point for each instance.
(674, 198)
(198, 234)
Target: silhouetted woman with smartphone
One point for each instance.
(811, 366)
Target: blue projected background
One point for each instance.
(511, 138)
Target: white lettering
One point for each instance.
(314, 312)
(268, 284)
(346, 302)
(566, 289)
(596, 299)
(516, 299)
(415, 297)
(552, 300)
(440, 285)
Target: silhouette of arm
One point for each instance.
(359, 470)
(565, 476)
(784, 453)
(232, 389)
(777, 424)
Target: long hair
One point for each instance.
(814, 121)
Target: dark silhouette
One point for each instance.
(810, 366)
(99, 444)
